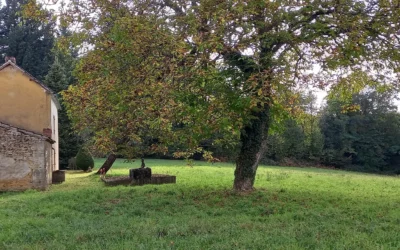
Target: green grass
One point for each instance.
(292, 208)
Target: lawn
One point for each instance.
(292, 208)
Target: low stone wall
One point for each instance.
(126, 180)
(24, 159)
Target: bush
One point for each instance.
(84, 159)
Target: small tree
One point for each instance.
(84, 159)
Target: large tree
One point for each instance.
(180, 71)
(30, 41)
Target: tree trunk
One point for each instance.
(107, 164)
(254, 145)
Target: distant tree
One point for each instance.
(363, 133)
(293, 140)
(58, 79)
(309, 119)
(375, 128)
(298, 136)
(337, 150)
(29, 41)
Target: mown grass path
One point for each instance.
(292, 208)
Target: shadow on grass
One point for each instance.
(166, 200)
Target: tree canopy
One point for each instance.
(366, 138)
(177, 72)
(29, 40)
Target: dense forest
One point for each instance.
(356, 130)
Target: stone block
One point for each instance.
(58, 176)
(140, 176)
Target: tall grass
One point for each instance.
(292, 208)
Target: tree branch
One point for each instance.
(245, 63)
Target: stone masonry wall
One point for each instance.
(24, 159)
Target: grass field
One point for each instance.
(292, 208)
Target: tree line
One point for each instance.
(365, 138)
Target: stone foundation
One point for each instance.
(126, 180)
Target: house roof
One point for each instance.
(32, 78)
(27, 132)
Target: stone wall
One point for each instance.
(24, 159)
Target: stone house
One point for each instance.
(28, 130)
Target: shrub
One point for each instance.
(84, 159)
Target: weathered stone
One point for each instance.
(10, 173)
(162, 179)
(58, 176)
(24, 159)
(126, 180)
(140, 173)
(140, 176)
